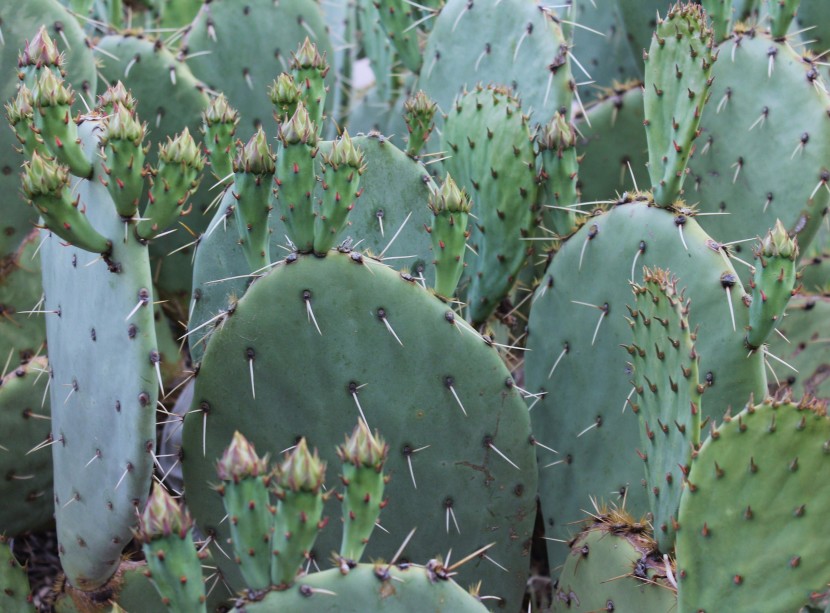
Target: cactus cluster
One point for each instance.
(563, 258)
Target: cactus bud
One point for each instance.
(162, 517)
(240, 460)
(50, 90)
(450, 198)
(308, 57)
(777, 243)
(40, 51)
(285, 94)
(220, 112)
(182, 150)
(42, 176)
(299, 129)
(419, 112)
(121, 124)
(255, 156)
(116, 96)
(557, 135)
(302, 470)
(363, 449)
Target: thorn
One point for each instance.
(597, 423)
(448, 381)
(309, 311)
(392, 240)
(475, 554)
(777, 359)
(401, 548)
(126, 470)
(628, 398)
(250, 353)
(451, 513)
(382, 316)
(504, 457)
(565, 350)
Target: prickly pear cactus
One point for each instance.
(27, 464)
(238, 49)
(600, 43)
(345, 327)
(668, 393)
(393, 205)
(804, 346)
(492, 157)
(22, 334)
(19, 23)
(380, 587)
(757, 160)
(576, 328)
(614, 565)
(612, 143)
(677, 80)
(170, 98)
(94, 514)
(165, 531)
(753, 486)
(518, 44)
(773, 283)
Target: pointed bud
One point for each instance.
(219, 111)
(122, 124)
(40, 51)
(299, 129)
(116, 95)
(308, 56)
(450, 198)
(20, 109)
(162, 517)
(363, 449)
(344, 153)
(255, 156)
(43, 176)
(240, 460)
(50, 90)
(777, 243)
(301, 470)
(422, 106)
(285, 94)
(556, 135)
(182, 150)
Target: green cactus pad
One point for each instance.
(21, 334)
(246, 498)
(668, 393)
(390, 351)
(249, 44)
(752, 507)
(614, 565)
(613, 141)
(806, 348)
(604, 50)
(677, 79)
(366, 587)
(396, 190)
(514, 44)
(27, 488)
(15, 593)
(103, 407)
(492, 157)
(574, 341)
(773, 283)
(757, 159)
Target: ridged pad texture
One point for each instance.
(315, 384)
